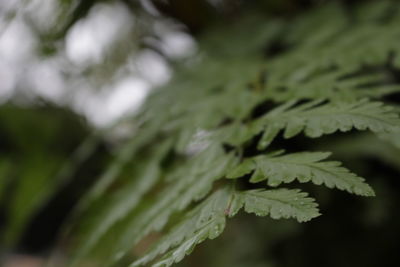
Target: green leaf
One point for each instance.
(207, 220)
(208, 166)
(242, 169)
(317, 120)
(304, 167)
(278, 203)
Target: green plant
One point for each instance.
(213, 141)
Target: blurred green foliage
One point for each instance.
(268, 75)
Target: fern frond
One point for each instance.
(207, 220)
(318, 85)
(317, 120)
(335, 85)
(304, 167)
(127, 200)
(212, 164)
(211, 231)
(277, 203)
